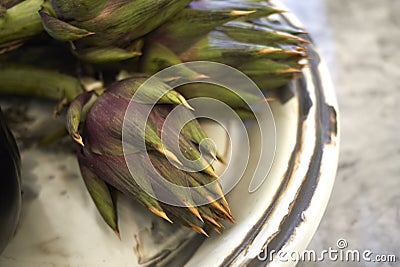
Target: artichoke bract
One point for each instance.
(103, 161)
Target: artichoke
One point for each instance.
(235, 33)
(103, 161)
(103, 30)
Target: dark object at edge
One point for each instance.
(10, 184)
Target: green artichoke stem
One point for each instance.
(41, 83)
(20, 22)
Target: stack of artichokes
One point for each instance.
(93, 55)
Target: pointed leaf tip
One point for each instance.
(185, 103)
(198, 229)
(195, 211)
(61, 30)
(118, 234)
(78, 138)
(210, 171)
(160, 214)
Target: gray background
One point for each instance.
(360, 41)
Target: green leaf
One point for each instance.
(61, 30)
(105, 54)
(102, 197)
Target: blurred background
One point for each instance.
(360, 42)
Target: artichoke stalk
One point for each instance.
(19, 21)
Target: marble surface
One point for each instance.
(360, 39)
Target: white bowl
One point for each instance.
(59, 225)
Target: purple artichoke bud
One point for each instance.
(102, 158)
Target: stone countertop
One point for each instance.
(359, 40)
